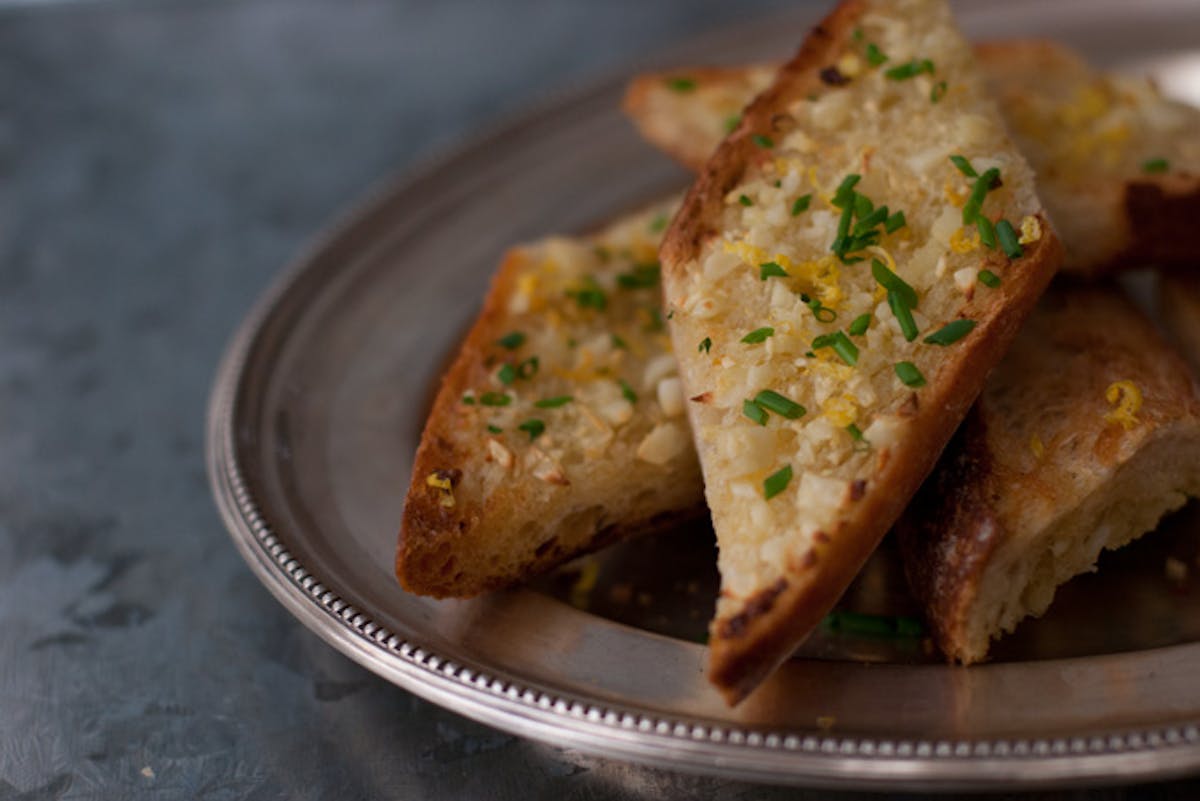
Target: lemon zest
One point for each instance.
(964, 241)
(1035, 445)
(1031, 230)
(1126, 399)
(444, 486)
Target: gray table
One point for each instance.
(159, 162)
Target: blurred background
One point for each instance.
(160, 161)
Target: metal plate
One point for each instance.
(317, 410)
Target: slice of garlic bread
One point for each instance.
(842, 276)
(1084, 437)
(1118, 165)
(560, 426)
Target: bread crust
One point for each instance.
(746, 650)
(999, 497)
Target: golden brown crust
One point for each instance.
(1036, 450)
(784, 615)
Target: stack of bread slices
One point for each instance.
(858, 272)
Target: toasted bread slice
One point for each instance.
(1179, 301)
(813, 434)
(1093, 139)
(1084, 437)
(560, 426)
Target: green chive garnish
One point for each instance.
(860, 325)
(824, 314)
(903, 314)
(468, 400)
(732, 122)
(494, 429)
(989, 279)
(765, 142)
(534, 426)
(951, 333)
(619, 343)
(528, 368)
(507, 374)
(1155, 165)
(754, 412)
(745, 201)
(1008, 240)
(627, 391)
(658, 224)
(512, 340)
(937, 92)
(893, 283)
(983, 185)
(909, 374)
(987, 232)
(895, 222)
(855, 433)
(870, 220)
(705, 345)
(845, 193)
(841, 345)
(590, 297)
(643, 276)
(964, 166)
(770, 269)
(783, 406)
(857, 34)
(910, 70)
(681, 84)
(873, 625)
(875, 56)
(777, 482)
(758, 335)
(554, 403)
(801, 204)
(494, 399)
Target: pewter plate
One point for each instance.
(317, 410)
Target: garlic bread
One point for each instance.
(1179, 302)
(1084, 437)
(560, 426)
(847, 268)
(1118, 165)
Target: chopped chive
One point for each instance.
(494, 429)
(964, 166)
(507, 374)
(895, 222)
(824, 314)
(642, 276)
(801, 204)
(871, 220)
(534, 426)
(909, 374)
(1155, 165)
(893, 283)
(494, 399)
(989, 279)
(777, 482)
(681, 84)
(765, 142)
(951, 333)
(841, 243)
(528, 368)
(732, 122)
(758, 335)
(656, 320)
(553, 403)
(841, 345)
(875, 56)
(755, 412)
(619, 343)
(862, 205)
(873, 625)
(705, 345)
(770, 269)
(987, 232)
(845, 193)
(512, 340)
(591, 296)
(627, 391)
(857, 35)
(778, 183)
(860, 325)
(1008, 240)
(745, 201)
(783, 406)
(855, 433)
(468, 400)
(910, 70)
(903, 314)
(658, 224)
(983, 185)
(937, 92)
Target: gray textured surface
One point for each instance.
(159, 162)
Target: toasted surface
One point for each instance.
(785, 560)
(1088, 136)
(1179, 301)
(606, 454)
(1084, 437)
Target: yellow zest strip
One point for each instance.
(1127, 400)
(1035, 445)
(444, 485)
(1031, 230)
(964, 241)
